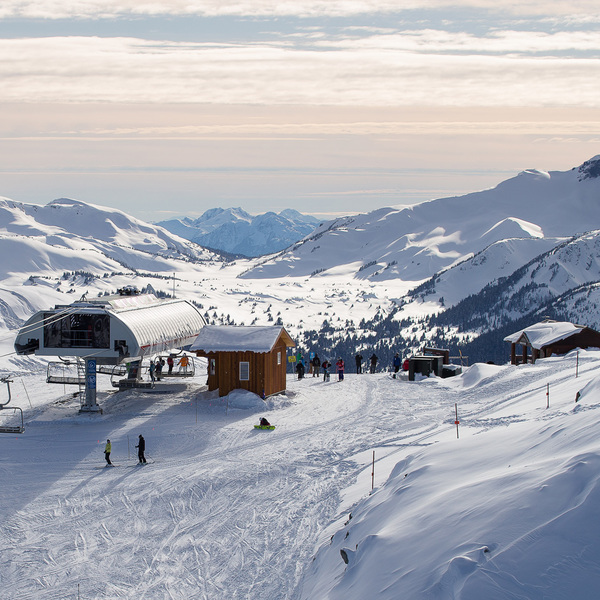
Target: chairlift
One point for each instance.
(4, 428)
(187, 369)
(66, 372)
(129, 376)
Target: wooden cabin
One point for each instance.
(550, 337)
(247, 358)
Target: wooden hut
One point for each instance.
(550, 337)
(247, 358)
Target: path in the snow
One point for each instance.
(225, 511)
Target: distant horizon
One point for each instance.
(333, 108)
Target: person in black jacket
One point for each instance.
(316, 366)
(373, 360)
(141, 449)
(358, 358)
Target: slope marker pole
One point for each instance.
(373, 473)
(456, 421)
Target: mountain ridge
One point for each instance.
(236, 232)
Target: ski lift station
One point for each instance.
(110, 331)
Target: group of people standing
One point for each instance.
(372, 362)
(315, 365)
(155, 369)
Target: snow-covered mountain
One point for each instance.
(561, 277)
(366, 280)
(69, 234)
(413, 243)
(234, 231)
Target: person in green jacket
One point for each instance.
(107, 450)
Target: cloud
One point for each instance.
(98, 9)
(129, 70)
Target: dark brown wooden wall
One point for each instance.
(265, 374)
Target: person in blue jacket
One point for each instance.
(397, 363)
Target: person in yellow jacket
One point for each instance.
(107, 451)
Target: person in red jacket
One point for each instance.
(340, 368)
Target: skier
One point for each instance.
(340, 369)
(358, 358)
(326, 366)
(170, 363)
(107, 451)
(316, 365)
(141, 449)
(151, 371)
(373, 362)
(396, 363)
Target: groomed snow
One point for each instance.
(510, 509)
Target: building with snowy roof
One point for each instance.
(250, 358)
(550, 337)
(109, 331)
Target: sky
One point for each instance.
(169, 108)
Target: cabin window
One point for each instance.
(76, 331)
(279, 357)
(244, 371)
(213, 366)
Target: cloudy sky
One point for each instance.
(170, 107)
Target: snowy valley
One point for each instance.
(505, 509)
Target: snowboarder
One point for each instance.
(264, 422)
(340, 369)
(373, 363)
(107, 451)
(397, 361)
(358, 358)
(141, 449)
(326, 366)
(316, 365)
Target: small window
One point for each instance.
(244, 371)
(279, 357)
(213, 366)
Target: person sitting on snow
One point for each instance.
(264, 422)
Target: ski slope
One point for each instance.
(224, 511)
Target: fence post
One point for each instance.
(547, 395)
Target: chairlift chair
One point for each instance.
(178, 371)
(19, 428)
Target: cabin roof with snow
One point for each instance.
(543, 334)
(232, 338)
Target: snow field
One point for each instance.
(226, 511)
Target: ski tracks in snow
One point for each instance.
(227, 512)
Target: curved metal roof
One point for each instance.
(159, 327)
(142, 324)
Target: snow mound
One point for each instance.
(590, 392)
(245, 400)
(478, 373)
